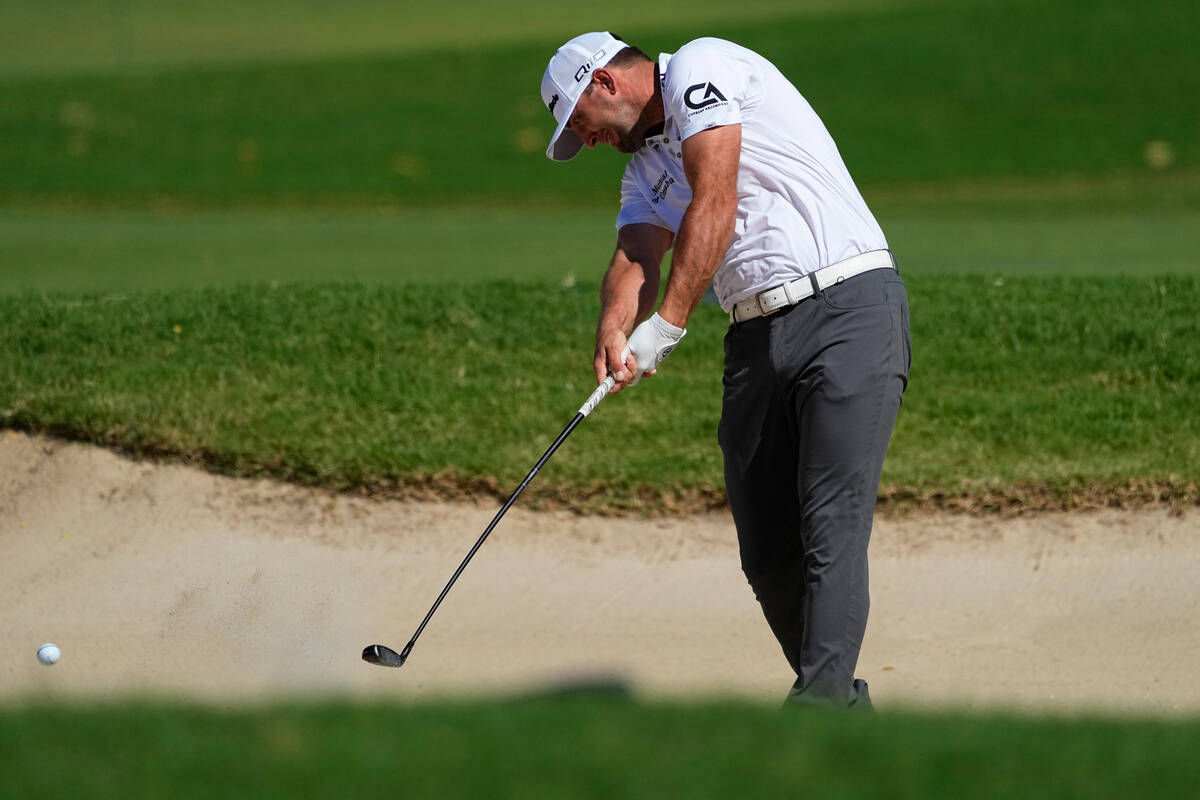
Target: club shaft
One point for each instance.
(541, 462)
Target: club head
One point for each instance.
(383, 656)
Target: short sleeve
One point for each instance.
(634, 206)
(705, 88)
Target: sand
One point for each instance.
(169, 581)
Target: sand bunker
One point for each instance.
(170, 581)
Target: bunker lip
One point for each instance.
(1171, 493)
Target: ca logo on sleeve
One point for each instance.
(712, 96)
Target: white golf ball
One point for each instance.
(48, 654)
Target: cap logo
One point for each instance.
(553, 102)
(587, 65)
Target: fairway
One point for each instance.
(117, 250)
(134, 250)
(78, 35)
(951, 94)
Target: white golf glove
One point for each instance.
(650, 343)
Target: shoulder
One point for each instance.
(707, 62)
(709, 82)
(701, 54)
(702, 48)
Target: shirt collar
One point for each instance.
(668, 127)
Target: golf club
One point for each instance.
(385, 656)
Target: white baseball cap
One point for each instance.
(567, 75)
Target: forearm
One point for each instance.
(627, 294)
(710, 160)
(704, 236)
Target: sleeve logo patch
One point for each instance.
(712, 96)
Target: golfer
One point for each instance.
(731, 168)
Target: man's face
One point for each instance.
(606, 115)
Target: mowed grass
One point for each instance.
(124, 250)
(930, 93)
(582, 747)
(78, 35)
(1018, 381)
(133, 250)
(283, 267)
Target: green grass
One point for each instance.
(237, 246)
(123, 250)
(582, 748)
(1066, 382)
(77, 35)
(130, 250)
(929, 94)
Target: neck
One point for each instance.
(653, 116)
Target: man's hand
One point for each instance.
(650, 343)
(627, 359)
(612, 358)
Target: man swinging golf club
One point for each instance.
(732, 169)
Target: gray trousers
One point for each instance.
(811, 395)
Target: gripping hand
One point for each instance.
(650, 343)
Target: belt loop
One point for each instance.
(790, 294)
(816, 287)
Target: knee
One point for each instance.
(770, 582)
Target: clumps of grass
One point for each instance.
(1027, 393)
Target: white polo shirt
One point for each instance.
(797, 208)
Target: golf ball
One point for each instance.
(48, 654)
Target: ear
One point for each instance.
(605, 79)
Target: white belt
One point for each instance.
(793, 292)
